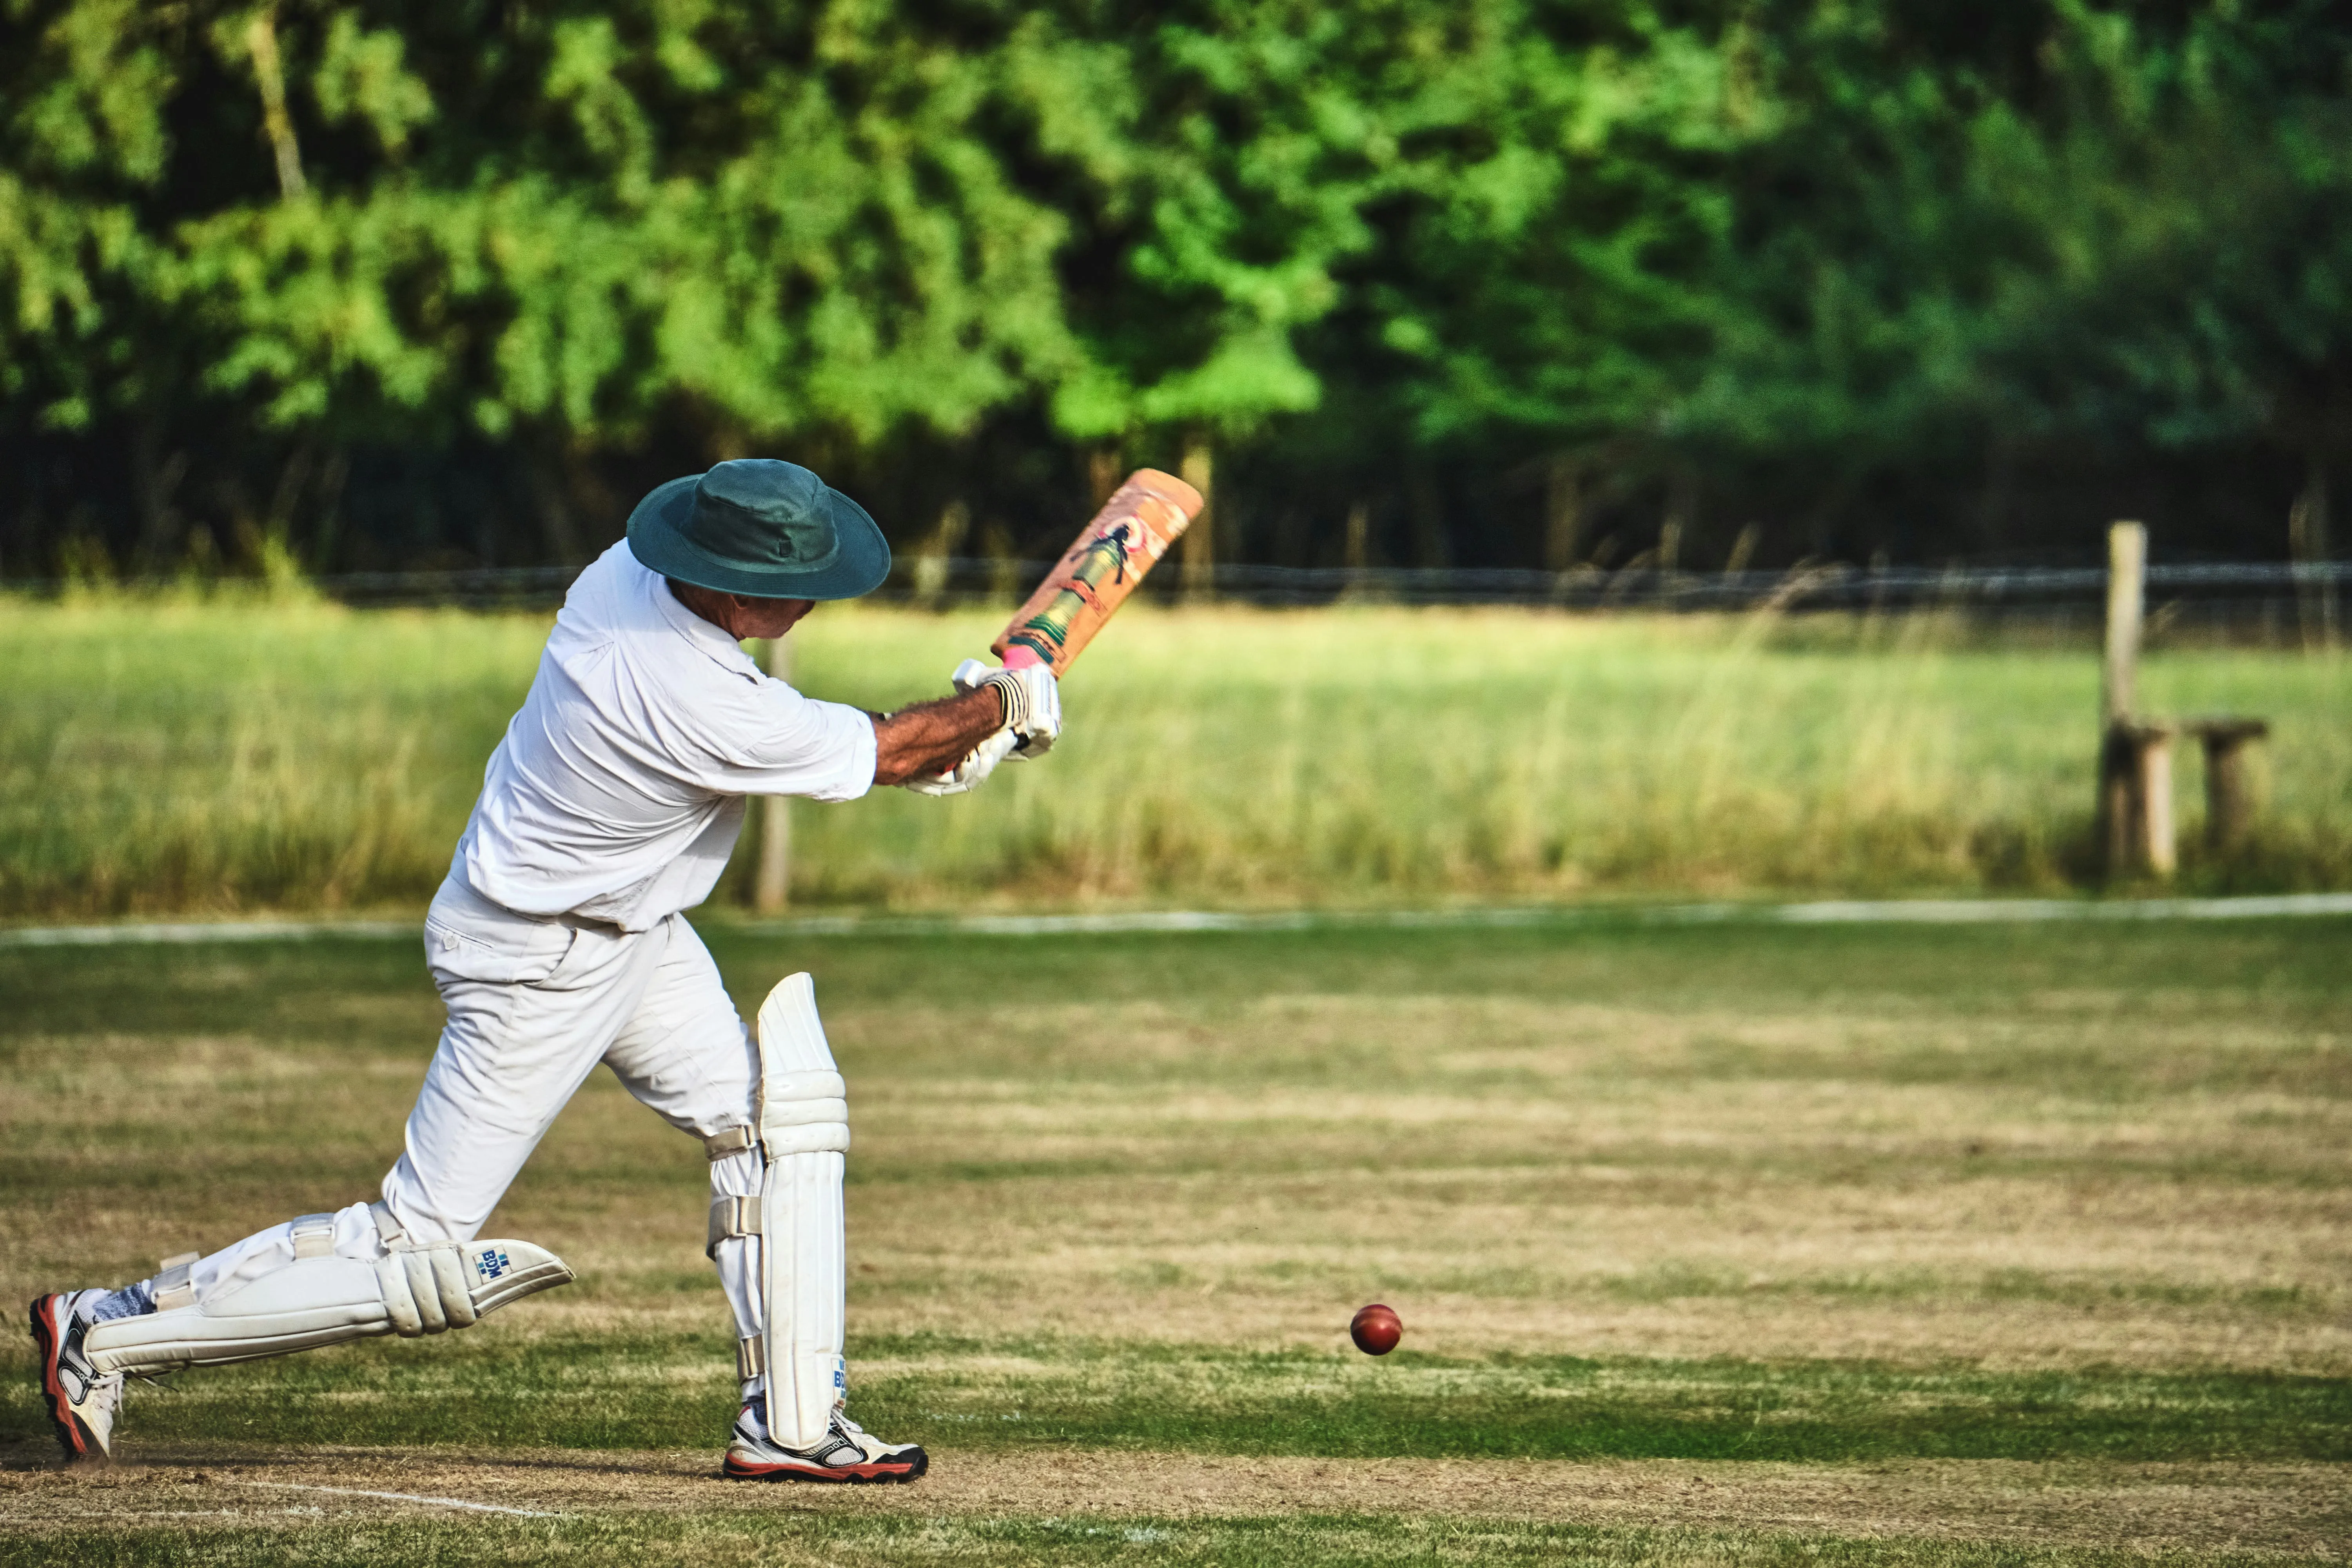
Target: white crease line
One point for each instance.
(1845, 912)
(1968, 911)
(406, 1497)
(223, 931)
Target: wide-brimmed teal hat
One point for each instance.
(761, 527)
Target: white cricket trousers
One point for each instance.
(534, 1004)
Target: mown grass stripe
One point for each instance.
(905, 1534)
(674, 1393)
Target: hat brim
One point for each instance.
(857, 567)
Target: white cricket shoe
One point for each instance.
(82, 1405)
(847, 1454)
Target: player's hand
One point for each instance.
(969, 774)
(1033, 702)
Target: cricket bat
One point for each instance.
(1098, 570)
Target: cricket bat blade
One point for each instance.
(1099, 569)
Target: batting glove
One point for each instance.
(969, 774)
(1033, 702)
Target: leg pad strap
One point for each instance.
(731, 1217)
(313, 1235)
(733, 1141)
(172, 1286)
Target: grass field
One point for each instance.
(1734, 1244)
(165, 756)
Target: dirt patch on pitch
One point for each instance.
(2296, 1509)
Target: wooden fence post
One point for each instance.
(2127, 591)
(2126, 564)
(2135, 807)
(1199, 545)
(771, 888)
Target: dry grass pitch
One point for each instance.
(1733, 1244)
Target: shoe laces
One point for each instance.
(858, 1436)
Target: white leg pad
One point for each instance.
(804, 1265)
(324, 1301)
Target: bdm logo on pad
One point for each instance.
(492, 1264)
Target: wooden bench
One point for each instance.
(2136, 816)
(2136, 825)
(2228, 781)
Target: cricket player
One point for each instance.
(558, 941)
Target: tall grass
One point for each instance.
(186, 754)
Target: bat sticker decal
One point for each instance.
(1102, 566)
(1096, 559)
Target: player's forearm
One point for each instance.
(932, 737)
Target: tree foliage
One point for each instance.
(1795, 252)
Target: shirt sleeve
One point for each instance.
(785, 743)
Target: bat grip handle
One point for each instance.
(1021, 657)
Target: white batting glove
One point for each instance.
(969, 774)
(1033, 702)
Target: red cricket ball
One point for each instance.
(1376, 1329)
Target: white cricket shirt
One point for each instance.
(618, 792)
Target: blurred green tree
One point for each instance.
(1619, 248)
(2040, 227)
(397, 223)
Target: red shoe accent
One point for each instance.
(881, 1471)
(50, 1337)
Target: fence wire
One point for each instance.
(2280, 590)
(2289, 601)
